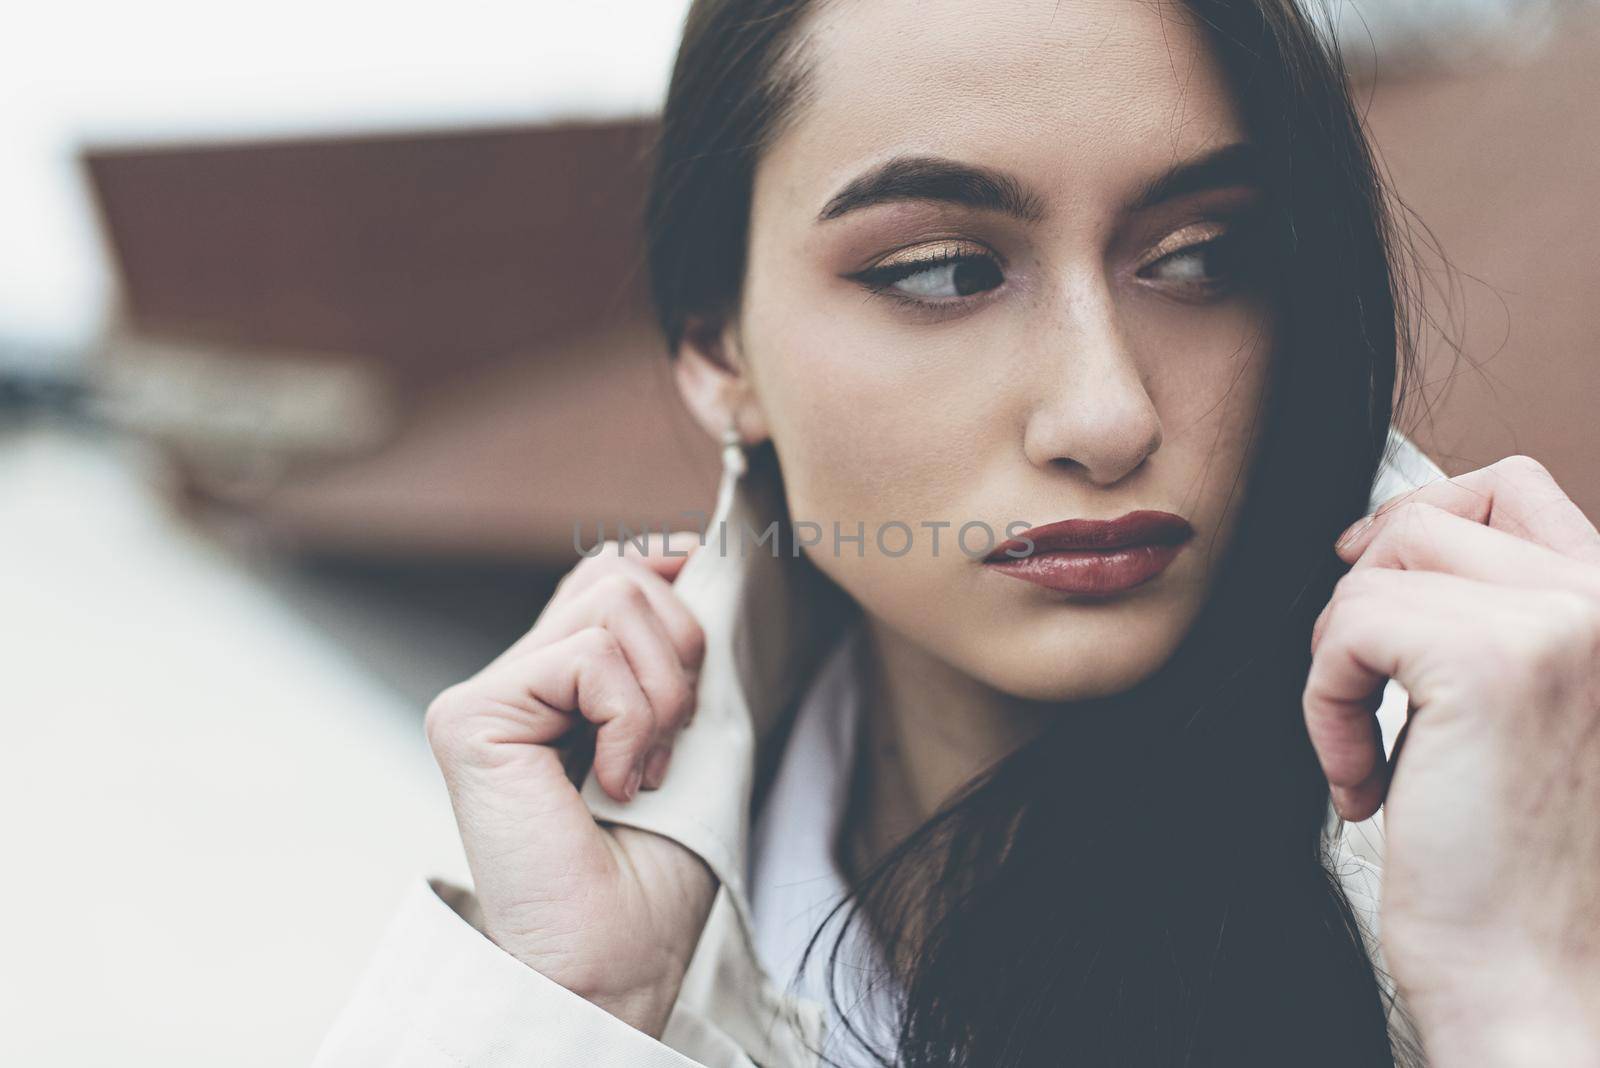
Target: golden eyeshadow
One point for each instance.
(934, 250)
(1184, 238)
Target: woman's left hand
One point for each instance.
(1480, 595)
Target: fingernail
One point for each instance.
(635, 777)
(655, 766)
(1353, 531)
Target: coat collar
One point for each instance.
(768, 618)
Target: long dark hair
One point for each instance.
(1146, 883)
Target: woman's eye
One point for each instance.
(935, 280)
(1209, 265)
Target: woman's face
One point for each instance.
(1017, 326)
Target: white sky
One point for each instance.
(79, 71)
(98, 71)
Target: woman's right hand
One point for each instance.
(611, 913)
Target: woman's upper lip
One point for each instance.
(1145, 527)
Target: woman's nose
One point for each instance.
(1091, 408)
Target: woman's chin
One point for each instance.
(1076, 663)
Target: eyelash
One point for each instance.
(879, 281)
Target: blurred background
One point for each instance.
(301, 310)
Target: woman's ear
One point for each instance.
(713, 377)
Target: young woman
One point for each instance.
(1055, 344)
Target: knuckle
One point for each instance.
(585, 565)
(1410, 514)
(1575, 621)
(1523, 465)
(690, 639)
(632, 719)
(597, 645)
(623, 592)
(1387, 544)
(1358, 584)
(1541, 645)
(679, 697)
(1335, 615)
(1345, 611)
(1426, 512)
(600, 558)
(1518, 650)
(444, 716)
(1409, 523)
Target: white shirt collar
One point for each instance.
(795, 880)
(794, 876)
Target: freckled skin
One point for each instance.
(1074, 389)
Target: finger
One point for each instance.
(623, 604)
(1516, 495)
(682, 628)
(1341, 719)
(620, 605)
(590, 605)
(535, 699)
(1423, 537)
(655, 568)
(1380, 625)
(1417, 536)
(659, 554)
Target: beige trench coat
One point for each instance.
(438, 993)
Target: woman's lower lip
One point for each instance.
(1091, 572)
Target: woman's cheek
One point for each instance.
(867, 433)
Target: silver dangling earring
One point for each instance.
(733, 469)
(733, 458)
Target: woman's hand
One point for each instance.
(1480, 595)
(614, 913)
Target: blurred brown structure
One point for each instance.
(475, 300)
(473, 369)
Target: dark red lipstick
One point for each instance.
(1094, 557)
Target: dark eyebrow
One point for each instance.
(1237, 163)
(936, 178)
